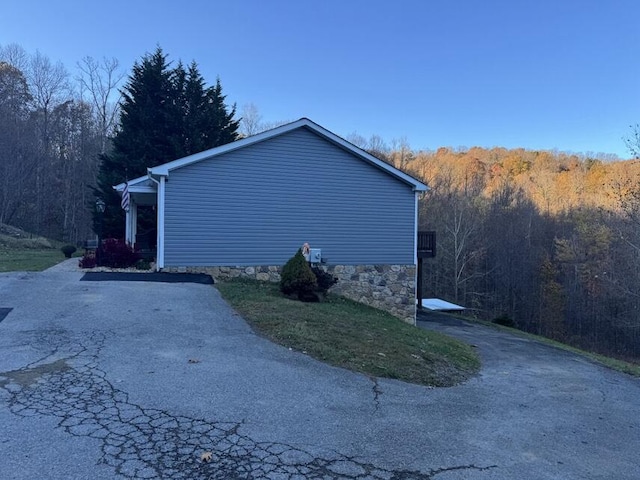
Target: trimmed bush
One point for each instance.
(143, 264)
(325, 280)
(68, 250)
(297, 278)
(116, 253)
(88, 260)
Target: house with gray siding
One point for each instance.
(243, 209)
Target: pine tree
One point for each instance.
(166, 113)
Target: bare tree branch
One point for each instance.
(101, 80)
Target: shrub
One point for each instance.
(504, 320)
(116, 253)
(143, 264)
(297, 278)
(88, 260)
(325, 280)
(68, 250)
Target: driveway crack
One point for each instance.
(438, 471)
(139, 442)
(377, 391)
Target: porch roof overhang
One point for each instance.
(143, 191)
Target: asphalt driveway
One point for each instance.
(107, 380)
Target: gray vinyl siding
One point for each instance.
(257, 205)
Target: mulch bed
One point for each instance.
(163, 277)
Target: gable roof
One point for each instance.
(138, 185)
(166, 168)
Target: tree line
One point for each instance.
(66, 139)
(547, 240)
(53, 127)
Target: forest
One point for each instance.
(53, 128)
(545, 240)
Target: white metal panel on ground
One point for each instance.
(438, 304)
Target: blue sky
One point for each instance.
(546, 74)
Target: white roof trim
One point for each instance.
(164, 169)
(135, 183)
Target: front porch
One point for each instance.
(142, 194)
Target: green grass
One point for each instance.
(353, 336)
(29, 260)
(21, 251)
(613, 363)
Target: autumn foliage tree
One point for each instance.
(547, 239)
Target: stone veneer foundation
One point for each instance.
(388, 287)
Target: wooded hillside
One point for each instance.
(52, 129)
(548, 240)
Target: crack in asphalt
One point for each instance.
(438, 471)
(376, 393)
(151, 443)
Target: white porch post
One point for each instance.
(131, 222)
(133, 211)
(160, 239)
(127, 226)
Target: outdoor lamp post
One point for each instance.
(100, 208)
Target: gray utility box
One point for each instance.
(315, 255)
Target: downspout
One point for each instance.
(415, 227)
(160, 221)
(415, 253)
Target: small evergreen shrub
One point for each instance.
(297, 278)
(325, 280)
(143, 264)
(504, 320)
(116, 253)
(68, 250)
(88, 260)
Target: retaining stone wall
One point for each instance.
(387, 287)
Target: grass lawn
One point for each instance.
(30, 260)
(353, 336)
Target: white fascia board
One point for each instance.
(164, 169)
(417, 185)
(135, 181)
(142, 189)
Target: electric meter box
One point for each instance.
(315, 255)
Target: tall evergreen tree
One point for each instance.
(166, 113)
(207, 120)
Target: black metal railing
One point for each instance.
(426, 244)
